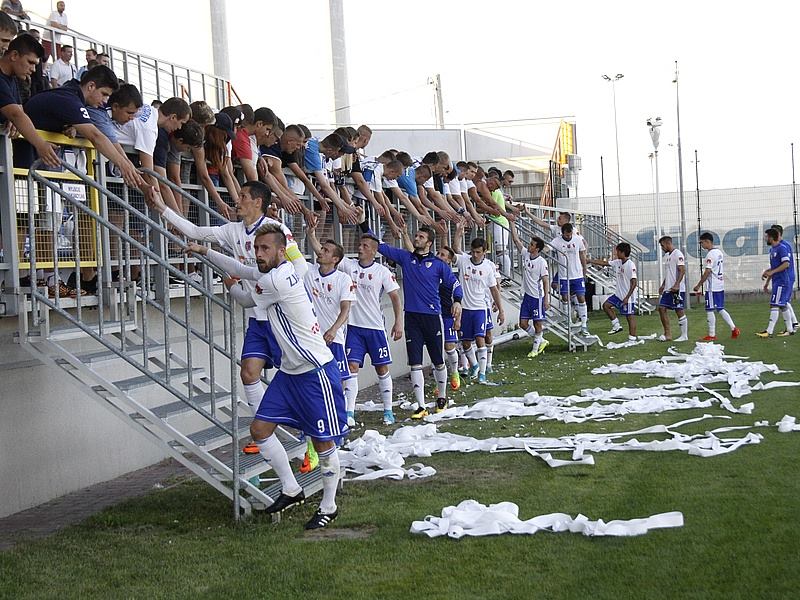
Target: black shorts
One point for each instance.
(424, 331)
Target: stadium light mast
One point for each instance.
(684, 241)
(613, 81)
(654, 123)
(219, 45)
(341, 92)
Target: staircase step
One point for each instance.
(141, 381)
(172, 409)
(310, 482)
(131, 350)
(73, 333)
(214, 437)
(251, 465)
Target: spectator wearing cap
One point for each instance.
(315, 156)
(168, 153)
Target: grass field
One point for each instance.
(741, 536)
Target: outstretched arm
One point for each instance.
(226, 263)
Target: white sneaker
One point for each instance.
(584, 332)
(683, 338)
(615, 330)
(663, 338)
(633, 338)
(196, 277)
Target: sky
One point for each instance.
(508, 60)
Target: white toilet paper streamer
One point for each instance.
(470, 518)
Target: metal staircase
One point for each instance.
(559, 320)
(165, 366)
(601, 241)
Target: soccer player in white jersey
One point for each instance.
(625, 292)
(490, 319)
(306, 392)
(713, 273)
(366, 330)
(258, 349)
(332, 293)
(476, 275)
(673, 290)
(535, 299)
(571, 259)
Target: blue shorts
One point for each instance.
(312, 402)
(425, 331)
(473, 324)
(450, 334)
(532, 309)
(260, 342)
(781, 295)
(673, 300)
(341, 362)
(489, 320)
(629, 308)
(572, 286)
(715, 300)
(361, 341)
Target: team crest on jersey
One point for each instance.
(330, 287)
(247, 245)
(394, 278)
(258, 289)
(413, 261)
(361, 275)
(428, 265)
(369, 276)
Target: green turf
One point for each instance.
(741, 511)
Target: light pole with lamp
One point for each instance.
(654, 123)
(613, 81)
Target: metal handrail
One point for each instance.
(183, 193)
(103, 224)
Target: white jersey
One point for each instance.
(569, 267)
(623, 273)
(283, 297)
(672, 261)
(371, 282)
(714, 260)
(498, 278)
(239, 240)
(535, 269)
(475, 280)
(327, 294)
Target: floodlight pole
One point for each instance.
(655, 133)
(603, 190)
(697, 184)
(684, 244)
(613, 81)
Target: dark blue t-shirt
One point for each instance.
(162, 149)
(9, 92)
(55, 109)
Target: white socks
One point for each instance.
(418, 383)
(253, 393)
(726, 316)
(470, 354)
(274, 453)
(791, 311)
(787, 319)
(489, 354)
(330, 468)
(440, 375)
(615, 323)
(351, 393)
(712, 323)
(452, 360)
(386, 387)
(537, 341)
(583, 314)
(481, 352)
(773, 319)
(684, 324)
